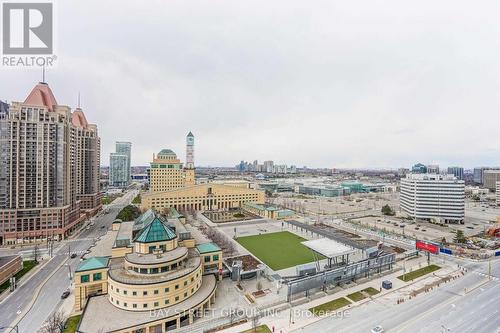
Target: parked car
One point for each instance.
(73, 255)
(65, 294)
(377, 329)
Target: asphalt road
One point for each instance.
(56, 271)
(445, 309)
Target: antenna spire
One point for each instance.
(78, 99)
(43, 74)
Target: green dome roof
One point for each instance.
(166, 152)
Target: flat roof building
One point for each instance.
(432, 196)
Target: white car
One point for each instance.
(377, 329)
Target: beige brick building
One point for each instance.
(172, 185)
(49, 168)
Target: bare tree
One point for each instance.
(55, 323)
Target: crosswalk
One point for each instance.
(494, 278)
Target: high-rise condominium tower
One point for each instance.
(119, 165)
(49, 168)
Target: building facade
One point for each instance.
(48, 166)
(431, 196)
(497, 194)
(119, 165)
(490, 178)
(155, 273)
(173, 186)
(456, 171)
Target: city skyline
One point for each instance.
(321, 93)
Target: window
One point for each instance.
(97, 276)
(156, 304)
(185, 295)
(117, 290)
(145, 305)
(156, 292)
(84, 278)
(192, 279)
(215, 257)
(151, 249)
(154, 270)
(207, 259)
(125, 304)
(185, 283)
(134, 293)
(176, 298)
(167, 290)
(144, 293)
(124, 292)
(134, 306)
(167, 301)
(144, 271)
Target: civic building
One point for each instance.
(172, 185)
(156, 272)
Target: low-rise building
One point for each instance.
(157, 273)
(268, 211)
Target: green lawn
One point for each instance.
(357, 296)
(27, 266)
(331, 306)
(278, 250)
(71, 324)
(259, 329)
(371, 291)
(418, 273)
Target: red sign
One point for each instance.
(427, 247)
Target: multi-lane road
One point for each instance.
(468, 304)
(37, 298)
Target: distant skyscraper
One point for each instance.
(119, 165)
(478, 175)
(457, 172)
(49, 168)
(433, 168)
(419, 168)
(490, 178)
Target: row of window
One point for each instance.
(215, 257)
(86, 277)
(155, 304)
(155, 292)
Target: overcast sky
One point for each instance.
(344, 84)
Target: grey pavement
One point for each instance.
(445, 309)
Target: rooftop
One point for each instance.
(328, 248)
(120, 274)
(92, 263)
(101, 315)
(156, 231)
(207, 248)
(42, 95)
(166, 152)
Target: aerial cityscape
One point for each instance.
(203, 174)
